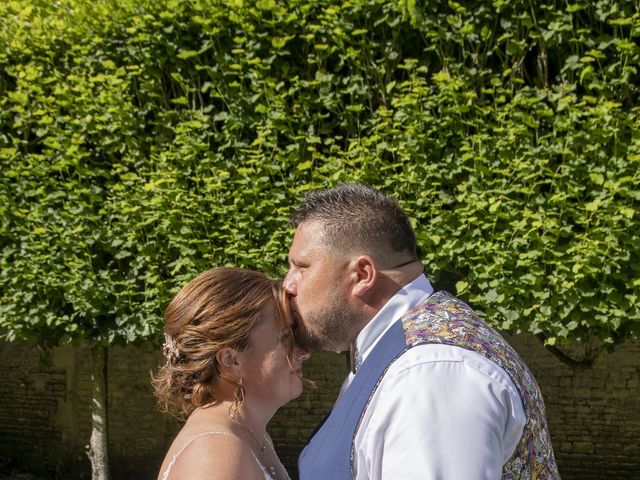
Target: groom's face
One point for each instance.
(318, 290)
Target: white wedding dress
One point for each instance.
(165, 475)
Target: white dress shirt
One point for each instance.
(440, 412)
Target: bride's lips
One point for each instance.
(293, 304)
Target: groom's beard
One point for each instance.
(329, 329)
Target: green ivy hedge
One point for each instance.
(143, 141)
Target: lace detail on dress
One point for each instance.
(167, 472)
(265, 472)
(269, 474)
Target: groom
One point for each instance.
(433, 391)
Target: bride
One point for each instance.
(231, 362)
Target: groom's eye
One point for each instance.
(299, 266)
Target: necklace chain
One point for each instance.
(271, 469)
(261, 445)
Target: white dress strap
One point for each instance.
(267, 474)
(165, 475)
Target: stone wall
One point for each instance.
(594, 414)
(45, 418)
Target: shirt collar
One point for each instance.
(409, 296)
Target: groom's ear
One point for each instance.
(364, 274)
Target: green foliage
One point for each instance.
(144, 141)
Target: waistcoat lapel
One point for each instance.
(329, 452)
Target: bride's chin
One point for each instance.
(298, 391)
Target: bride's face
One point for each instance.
(268, 376)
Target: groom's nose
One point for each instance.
(289, 283)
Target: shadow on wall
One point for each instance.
(45, 418)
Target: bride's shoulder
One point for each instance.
(211, 454)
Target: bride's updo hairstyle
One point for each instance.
(217, 309)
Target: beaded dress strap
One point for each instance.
(165, 475)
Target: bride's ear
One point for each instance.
(227, 359)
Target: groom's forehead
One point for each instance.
(309, 239)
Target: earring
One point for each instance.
(238, 400)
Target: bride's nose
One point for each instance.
(302, 353)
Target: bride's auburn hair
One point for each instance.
(217, 309)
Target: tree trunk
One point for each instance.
(98, 446)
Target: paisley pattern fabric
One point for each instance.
(446, 320)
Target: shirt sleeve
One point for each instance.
(440, 412)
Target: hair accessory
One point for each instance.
(169, 348)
